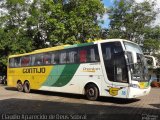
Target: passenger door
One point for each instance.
(115, 68)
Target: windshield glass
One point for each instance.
(139, 70)
(133, 47)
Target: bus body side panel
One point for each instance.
(73, 78)
(35, 75)
(59, 81)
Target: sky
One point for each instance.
(109, 3)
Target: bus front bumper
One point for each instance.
(138, 92)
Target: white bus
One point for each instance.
(152, 61)
(111, 67)
(153, 67)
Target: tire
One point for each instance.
(92, 92)
(19, 87)
(26, 87)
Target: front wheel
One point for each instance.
(92, 92)
(26, 87)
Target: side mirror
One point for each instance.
(132, 57)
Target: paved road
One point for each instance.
(50, 105)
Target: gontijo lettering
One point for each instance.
(34, 70)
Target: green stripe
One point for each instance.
(147, 84)
(61, 75)
(66, 75)
(54, 75)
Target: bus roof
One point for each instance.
(67, 46)
(41, 50)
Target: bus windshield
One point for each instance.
(133, 47)
(138, 70)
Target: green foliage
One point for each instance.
(132, 21)
(27, 26)
(129, 19)
(61, 22)
(152, 39)
(151, 45)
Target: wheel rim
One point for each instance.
(19, 87)
(91, 92)
(27, 87)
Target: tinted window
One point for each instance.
(62, 57)
(88, 54)
(54, 58)
(114, 61)
(47, 58)
(25, 61)
(93, 54)
(17, 62)
(72, 56)
(83, 55)
(68, 56)
(11, 62)
(37, 59)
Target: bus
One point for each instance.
(152, 61)
(111, 68)
(153, 68)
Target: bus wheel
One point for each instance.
(26, 87)
(19, 86)
(91, 92)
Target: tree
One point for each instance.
(63, 21)
(54, 21)
(130, 19)
(13, 38)
(152, 39)
(104, 33)
(28, 25)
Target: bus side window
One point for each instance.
(25, 61)
(88, 54)
(37, 59)
(47, 58)
(93, 54)
(83, 55)
(72, 56)
(54, 58)
(62, 57)
(17, 62)
(11, 62)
